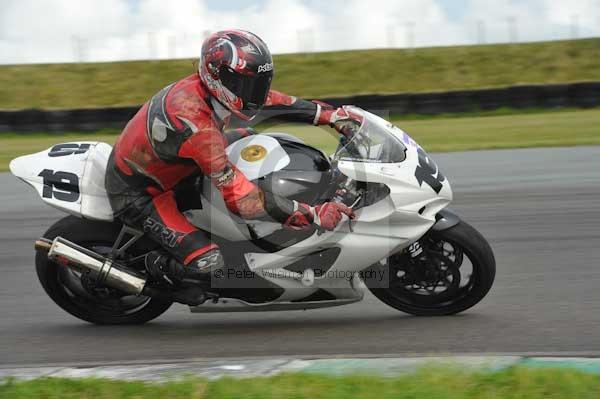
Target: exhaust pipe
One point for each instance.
(83, 260)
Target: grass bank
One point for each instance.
(517, 383)
(313, 75)
(436, 135)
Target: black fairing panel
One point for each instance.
(320, 262)
(306, 179)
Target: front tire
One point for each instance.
(430, 283)
(67, 290)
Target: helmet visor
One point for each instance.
(253, 90)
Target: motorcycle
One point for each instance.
(404, 245)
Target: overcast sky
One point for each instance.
(106, 30)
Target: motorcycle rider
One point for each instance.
(179, 130)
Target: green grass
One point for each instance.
(313, 75)
(517, 383)
(549, 129)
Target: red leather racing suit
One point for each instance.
(178, 131)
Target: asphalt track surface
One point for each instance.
(539, 209)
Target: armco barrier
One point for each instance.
(34, 120)
(577, 95)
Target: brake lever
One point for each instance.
(321, 231)
(356, 202)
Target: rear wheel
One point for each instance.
(77, 294)
(445, 273)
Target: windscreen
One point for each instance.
(375, 141)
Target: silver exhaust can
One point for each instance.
(108, 273)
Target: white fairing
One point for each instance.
(69, 177)
(406, 192)
(379, 230)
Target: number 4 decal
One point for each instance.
(428, 172)
(63, 186)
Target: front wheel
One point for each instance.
(445, 272)
(74, 293)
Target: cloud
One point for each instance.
(586, 13)
(535, 19)
(361, 24)
(91, 30)
(44, 30)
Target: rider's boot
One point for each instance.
(191, 282)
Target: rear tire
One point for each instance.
(474, 247)
(88, 234)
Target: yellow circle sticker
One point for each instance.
(254, 153)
